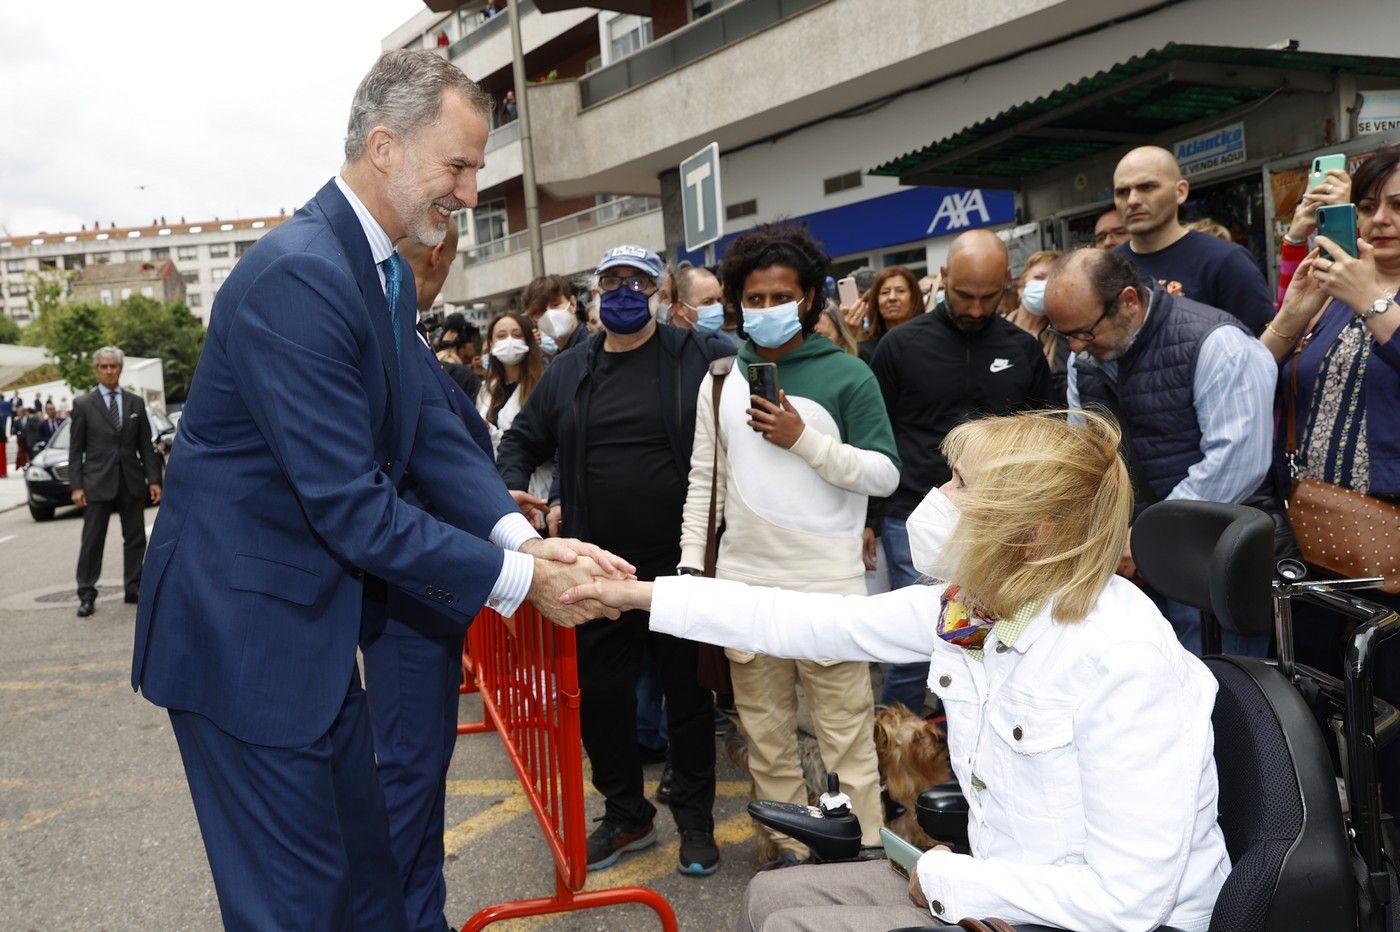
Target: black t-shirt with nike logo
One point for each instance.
(934, 376)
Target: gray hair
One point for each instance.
(109, 352)
(403, 91)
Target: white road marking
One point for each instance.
(8, 537)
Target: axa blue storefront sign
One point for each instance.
(906, 216)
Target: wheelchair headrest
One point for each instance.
(1218, 558)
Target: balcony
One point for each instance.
(486, 49)
(572, 244)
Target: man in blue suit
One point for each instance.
(413, 668)
(273, 545)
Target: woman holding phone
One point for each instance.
(1078, 727)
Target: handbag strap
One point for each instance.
(719, 368)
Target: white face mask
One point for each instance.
(557, 322)
(930, 528)
(509, 350)
(1033, 298)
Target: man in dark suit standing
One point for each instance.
(274, 546)
(112, 466)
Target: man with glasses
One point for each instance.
(1109, 232)
(959, 361)
(1192, 389)
(618, 416)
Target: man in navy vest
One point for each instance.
(1192, 389)
(273, 544)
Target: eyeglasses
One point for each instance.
(632, 282)
(1106, 235)
(1087, 334)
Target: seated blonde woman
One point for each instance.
(1078, 727)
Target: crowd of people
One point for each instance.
(32, 424)
(992, 430)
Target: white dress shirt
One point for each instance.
(512, 530)
(1094, 803)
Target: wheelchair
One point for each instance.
(1311, 849)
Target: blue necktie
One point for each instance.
(393, 278)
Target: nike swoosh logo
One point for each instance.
(1000, 365)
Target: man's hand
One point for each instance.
(623, 595)
(155, 493)
(554, 520)
(534, 509)
(567, 550)
(80, 498)
(552, 579)
(779, 425)
(867, 549)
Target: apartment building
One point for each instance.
(891, 127)
(203, 253)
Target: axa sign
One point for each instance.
(960, 210)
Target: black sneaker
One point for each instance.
(663, 786)
(699, 855)
(610, 840)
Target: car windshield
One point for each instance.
(59, 441)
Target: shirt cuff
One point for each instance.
(933, 868)
(513, 583)
(512, 531)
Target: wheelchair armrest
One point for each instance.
(942, 813)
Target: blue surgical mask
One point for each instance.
(708, 317)
(774, 326)
(1033, 298)
(624, 311)
(938, 297)
(548, 346)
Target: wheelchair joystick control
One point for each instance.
(831, 831)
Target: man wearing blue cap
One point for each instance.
(618, 415)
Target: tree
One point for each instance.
(47, 289)
(78, 331)
(10, 331)
(142, 326)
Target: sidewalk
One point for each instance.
(12, 494)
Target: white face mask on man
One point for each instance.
(557, 322)
(930, 527)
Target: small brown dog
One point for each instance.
(912, 756)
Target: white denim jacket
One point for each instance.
(1094, 803)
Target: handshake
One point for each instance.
(562, 564)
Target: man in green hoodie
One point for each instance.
(792, 484)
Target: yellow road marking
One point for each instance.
(502, 813)
(79, 667)
(38, 686)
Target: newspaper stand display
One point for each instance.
(526, 671)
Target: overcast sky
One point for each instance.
(217, 109)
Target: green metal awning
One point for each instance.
(1130, 104)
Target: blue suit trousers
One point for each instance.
(297, 837)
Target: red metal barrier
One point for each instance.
(528, 681)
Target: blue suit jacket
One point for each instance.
(283, 492)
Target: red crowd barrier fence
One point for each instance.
(526, 671)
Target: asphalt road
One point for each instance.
(96, 826)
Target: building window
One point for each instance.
(190, 277)
(915, 260)
(126, 293)
(101, 258)
(148, 292)
(218, 250)
(241, 247)
(19, 291)
(106, 297)
(187, 253)
(160, 252)
(742, 209)
(490, 220)
(194, 299)
(627, 33)
(14, 265)
(217, 276)
(842, 182)
(136, 255)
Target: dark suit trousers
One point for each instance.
(296, 837)
(411, 682)
(609, 665)
(95, 520)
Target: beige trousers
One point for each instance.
(843, 716)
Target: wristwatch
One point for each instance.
(1378, 306)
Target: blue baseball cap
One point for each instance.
(636, 256)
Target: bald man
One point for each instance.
(1148, 191)
(957, 362)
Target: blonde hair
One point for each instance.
(1045, 515)
(1211, 228)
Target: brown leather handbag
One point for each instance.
(711, 664)
(1341, 530)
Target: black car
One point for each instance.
(46, 476)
